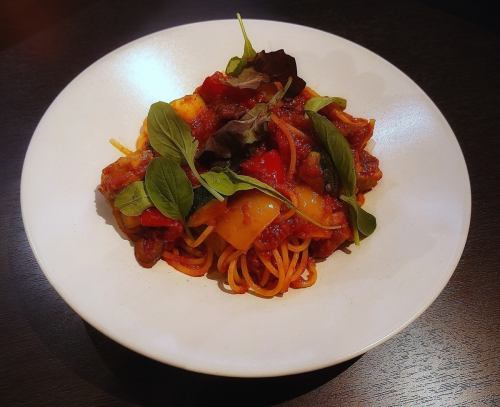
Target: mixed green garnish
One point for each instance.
(166, 185)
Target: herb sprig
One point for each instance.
(227, 182)
(237, 64)
(169, 188)
(171, 137)
(133, 199)
(235, 134)
(317, 103)
(340, 152)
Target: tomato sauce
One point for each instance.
(269, 163)
(215, 90)
(266, 166)
(123, 172)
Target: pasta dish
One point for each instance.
(254, 176)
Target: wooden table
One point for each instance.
(449, 356)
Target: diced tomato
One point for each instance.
(154, 218)
(172, 233)
(333, 214)
(292, 111)
(296, 226)
(266, 167)
(273, 235)
(204, 124)
(214, 89)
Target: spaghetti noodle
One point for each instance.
(281, 268)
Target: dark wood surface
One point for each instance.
(449, 356)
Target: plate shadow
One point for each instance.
(152, 383)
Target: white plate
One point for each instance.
(422, 206)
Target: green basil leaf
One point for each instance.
(317, 103)
(364, 221)
(166, 131)
(133, 199)
(340, 152)
(248, 51)
(171, 137)
(330, 176)
(267, 189)
(338, 148)
(228, 182)
(253, 183)
(169, 188)
(236, 64)
(223, 183)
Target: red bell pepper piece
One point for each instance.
(152, 217)
(267, 167)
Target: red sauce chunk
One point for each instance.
(298, 227)
(303, 144)
(123, 172)
(310, 172)
(265, 166)
(215, 90)
(204, 125)
(324, 248)
(357, 131)
(367, 170)
(148, 249)
(152, 217)
(284, 153)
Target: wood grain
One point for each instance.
(449, 356)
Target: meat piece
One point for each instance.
(321, 249)
(357, 131)
(310, 172)
(273, 235)
(367, 171)
(292, 111)
(123, 172)
(149, 248)
(130, 225)
(229, 111)
(253, 261)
